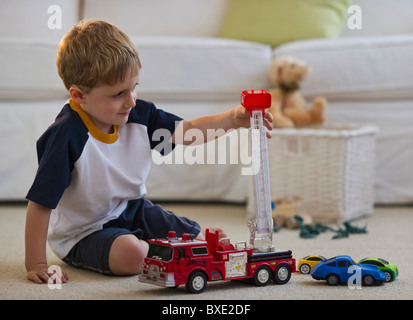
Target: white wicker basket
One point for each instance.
(331, 168)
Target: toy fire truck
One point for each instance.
(182, 260)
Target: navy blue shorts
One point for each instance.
(141, 218)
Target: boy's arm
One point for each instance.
(37, 222)
(232, 119)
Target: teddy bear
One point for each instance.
(289, 107)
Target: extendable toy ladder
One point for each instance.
(261, 227)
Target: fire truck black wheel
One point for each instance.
(262, 276)
(282, 273)
(197, 282)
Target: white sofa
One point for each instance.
(190, 71)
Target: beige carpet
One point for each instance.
(390, 236)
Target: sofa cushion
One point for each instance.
(23, 19)
(160, 17)
(381, 17)
(182, 68)
(28, 70)
(278, 21)
(22, 124)
(356, 68)
(173, 68)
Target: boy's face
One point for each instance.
(109, 105)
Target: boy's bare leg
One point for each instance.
(127, 254)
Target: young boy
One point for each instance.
(87, 197)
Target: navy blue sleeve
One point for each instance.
(161, 124)
(57, 151)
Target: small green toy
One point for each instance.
(309, 231)
(340, 233)
(353, 229)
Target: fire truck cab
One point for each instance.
(176, 261)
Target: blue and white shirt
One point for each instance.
(88, 176)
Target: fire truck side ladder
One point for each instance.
(262, 226)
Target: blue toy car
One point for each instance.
(336, 270)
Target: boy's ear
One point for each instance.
(77, 94)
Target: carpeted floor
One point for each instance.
(389, 236)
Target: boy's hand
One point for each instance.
(39, 273)
(242, 118)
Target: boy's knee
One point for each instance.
(127, 255)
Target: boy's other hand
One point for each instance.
(39, 273)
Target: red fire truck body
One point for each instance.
(183, 261)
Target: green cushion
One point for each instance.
(275, 22)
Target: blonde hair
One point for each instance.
(95, 51)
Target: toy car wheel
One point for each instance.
(388, 276)
(197, 282)
(262, 276)
(368, 280)
(332, 279)
(282, 274)
(305, 268)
